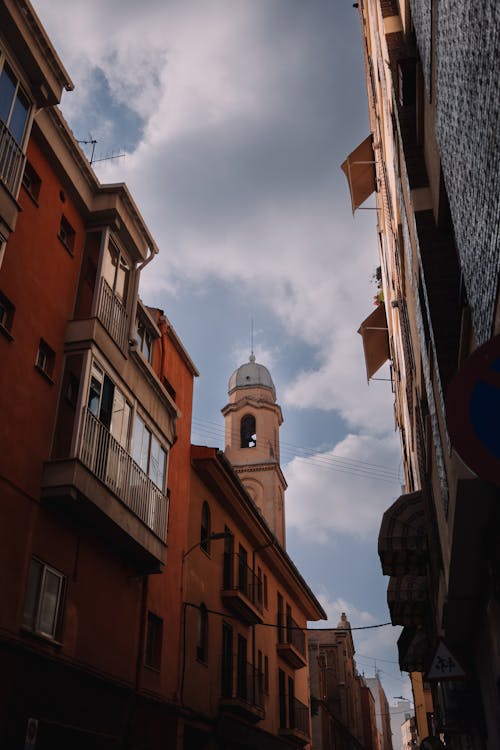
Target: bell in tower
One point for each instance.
(253, 419)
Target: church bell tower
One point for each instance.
(253, 419)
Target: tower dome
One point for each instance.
(251, 374)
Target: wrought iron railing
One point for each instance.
(105, 457)
(290, 632)
(112, 314)
(298, 716)
(238, 576)
(12, 160)
(249, 684)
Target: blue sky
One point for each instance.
(235, 117)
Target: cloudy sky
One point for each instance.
(234, 117)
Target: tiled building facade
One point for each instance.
(432, 83)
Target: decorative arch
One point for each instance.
(248, 431)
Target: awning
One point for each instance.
(407, 597)
(375, 340)
(413, 649)
(359, 168)
(402, 541)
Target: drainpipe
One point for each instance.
(138, 268)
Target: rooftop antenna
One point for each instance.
(252, 355)
(93, 142)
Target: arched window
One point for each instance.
(202, 643)
(205, 528)
(248, 431)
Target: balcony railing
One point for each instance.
(109, 462)
(112, 314)
(249, 685)
(12, 160)
(298, 717)
(291, 633)
(244, 581)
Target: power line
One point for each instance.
(283, 627)
(334, 463)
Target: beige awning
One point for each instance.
(359, 168)
(375, 340)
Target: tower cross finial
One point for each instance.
(252, 355)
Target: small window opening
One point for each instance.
(67, 234)
(248, 432)
(154, 637)
(205, 528)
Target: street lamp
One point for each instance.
(209, 538)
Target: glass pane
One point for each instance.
(146, 348)
(109, 264)
(120, 418)
(7, 89)
(19, 116)
(142, 438)
(47, 619)
(121, 279)
(32, 593)
(94, 396)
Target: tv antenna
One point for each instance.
(93, 142)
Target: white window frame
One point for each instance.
(37, 589)
(17, 88)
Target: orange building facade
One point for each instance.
(107, 514)
(95, 391)
(245, 675)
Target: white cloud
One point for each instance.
(341, 491)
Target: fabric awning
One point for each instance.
(359, 168)
(402, 541)
(413, 649)
(407, 597)
(375, 340)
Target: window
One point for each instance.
(7, 311)
(45, 359)
(67, 234)
(242, 570)
(266, 601)
(116, 271)
(154, 638)
(31, 182)
(242, 668)
(266, 675)
(148, 453)
(108, 404)
(227, 661)
(144, 338)
(44, 599)
(259, 585)
(282, 697)
(202, 643)
(227, 572)
(281, 633)
(248, 431)
(205, 528)
(14, 104)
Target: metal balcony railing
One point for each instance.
(112, 314)
(12, 160)
(109, 462)
(290, 632)
(249, 685)
(298, 716)
(238, 576)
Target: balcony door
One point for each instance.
(107, 429)
(227, 661)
